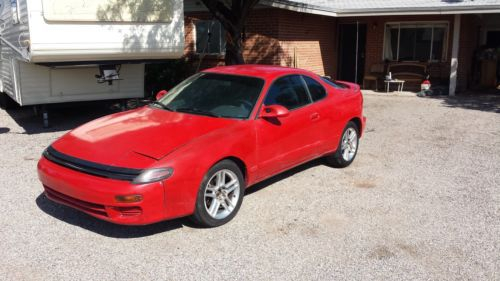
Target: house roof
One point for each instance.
(387, 7)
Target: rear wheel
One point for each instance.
(220, 195)
(347, 148)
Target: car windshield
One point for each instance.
(217, 95)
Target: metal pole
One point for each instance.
(357, 43)
(454, 56)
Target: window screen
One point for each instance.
(210, 37)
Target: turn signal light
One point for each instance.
(128, 198)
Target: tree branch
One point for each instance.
(221, 12)
(247, 7)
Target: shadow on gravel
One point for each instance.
(104, 228)
(488, 103)
(80, 219)
(62, 117)
(254, 188)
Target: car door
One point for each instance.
(287, 141)
(327, 114)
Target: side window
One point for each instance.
(289, 92)
(315, 89)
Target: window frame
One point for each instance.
(284, 76)
(221, 32)
(309, 92)
(433, 24)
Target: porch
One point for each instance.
(458, 53)
(457, 47)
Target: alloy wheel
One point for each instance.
(349, 144)
(222, 193)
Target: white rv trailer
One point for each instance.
(54, 51)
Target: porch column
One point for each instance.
(454, 55)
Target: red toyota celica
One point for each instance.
(194, 150)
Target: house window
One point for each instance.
(210, 37)
(415, 41)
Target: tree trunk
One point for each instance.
(234, 52)
(232, 19)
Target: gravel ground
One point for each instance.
(421, 201)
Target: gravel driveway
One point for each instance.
(421, 201)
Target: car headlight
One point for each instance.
(152, 175)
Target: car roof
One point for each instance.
(266, 72)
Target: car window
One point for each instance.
(289, 92)
(220, 95)
(315, 89)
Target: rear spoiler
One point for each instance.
(343, 84)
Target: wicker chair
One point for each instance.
(413, 73)
(376, 74)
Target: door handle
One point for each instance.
(315, 116)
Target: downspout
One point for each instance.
(357, 52)
(454, 56)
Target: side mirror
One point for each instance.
(274, 111)
(160, 94)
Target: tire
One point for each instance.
(218, 201)
(347, 147)
(6, 102)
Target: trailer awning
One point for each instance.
(140, 11)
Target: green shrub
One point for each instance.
(165, 75)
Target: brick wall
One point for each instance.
(261, 45)
(277, 37)
(282, 37)
(308, 41)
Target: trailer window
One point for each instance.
(140, 11)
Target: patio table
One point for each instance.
(400, 83)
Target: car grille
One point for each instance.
(96, 169)
(92, 208)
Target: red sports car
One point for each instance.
(196, 148)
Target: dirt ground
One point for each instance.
(420, 202)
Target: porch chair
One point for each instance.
(376, 74)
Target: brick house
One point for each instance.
(346, 39)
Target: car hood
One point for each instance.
(136, 138)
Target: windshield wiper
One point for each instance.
(197, 111)
(162, 105)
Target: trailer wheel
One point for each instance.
(6, 102)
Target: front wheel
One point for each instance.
(347, 148)
(220, 195)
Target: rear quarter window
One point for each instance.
(316, 90)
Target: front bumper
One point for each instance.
(96, 195)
